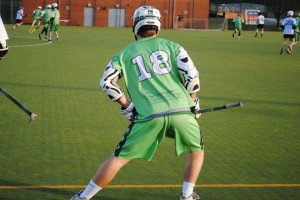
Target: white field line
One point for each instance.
(28, 45)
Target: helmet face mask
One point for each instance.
(146, 16)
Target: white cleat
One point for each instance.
(193, 196)
(77, 197)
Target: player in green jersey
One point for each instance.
(46, 19)
(54, 22)
(237, 24)
(162, 83)
(37, 15)
(297, 31)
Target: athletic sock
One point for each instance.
(90, 190)
(187, 189)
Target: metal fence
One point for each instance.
(8, 10)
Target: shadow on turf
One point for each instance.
(63, 192)
(131, 194)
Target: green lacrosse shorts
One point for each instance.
(142, 138)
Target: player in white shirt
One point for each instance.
(19, 18)
(3, 38)
(288, 25)
(260, 24)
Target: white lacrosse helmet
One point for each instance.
(54, 5)
(146, 16)
(39, 7)
(48, 6)
(290, 13)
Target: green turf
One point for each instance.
(78, 127)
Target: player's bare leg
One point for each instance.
(50, 36)
(32, 29)
(104, 175)
(57, 36)
(256, 32)
(191, 172)
(39, 24)
(290, 47)
(108, 170)
(283, 45)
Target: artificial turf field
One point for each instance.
(251, 152)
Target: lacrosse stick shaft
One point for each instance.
(28, 112)
(221, 107)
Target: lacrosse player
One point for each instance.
(3, 38)
(54, 22)
(297, 31)
(260, 24)
(19, 18)
(162, 83)
(46, 19)
(288, 25)
(237, 25)
(37, 17)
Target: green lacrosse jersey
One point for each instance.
(56, 16)
(238, 22)
(37, 14)
(151, 76)
(47, 15)
(298, 22)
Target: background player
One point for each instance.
(288, 25)
(54, 22)
(46, 20)
(237, 25)
(260, 24)
(37, 17)
(297, 31)
(19, 18)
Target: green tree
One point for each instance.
(279, 8)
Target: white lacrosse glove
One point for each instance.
(129, 112)
(197, 108)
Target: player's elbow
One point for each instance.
(111, 89)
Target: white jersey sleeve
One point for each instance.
(108, 82)
(188, 71)
(3, 33)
